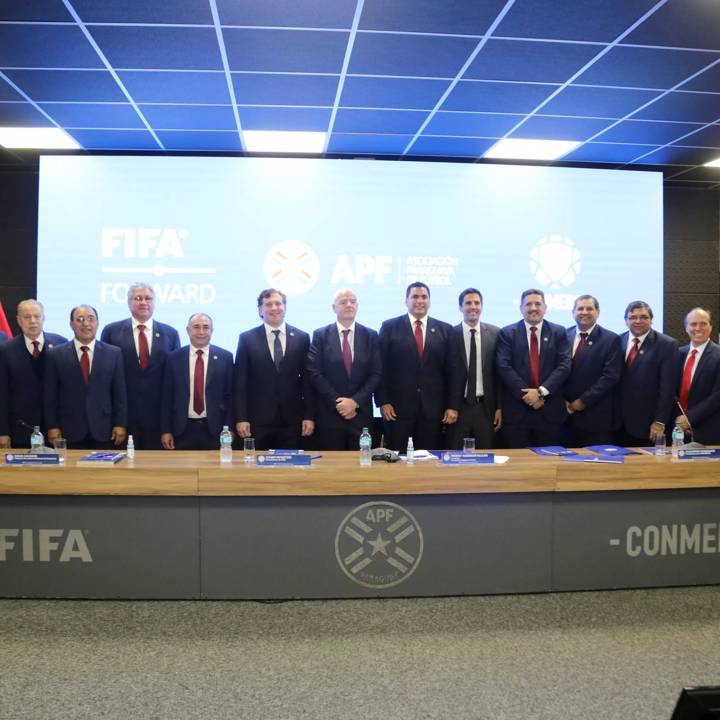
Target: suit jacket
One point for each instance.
(21, 387)
(593, 379)
(330, 380)
(513, 367)
(3, 337)
(414, 386)
(646, 391)
(176, 390)
(488, 346)
(79, 409)
(703, 409)
(264, 394)
(144, 389)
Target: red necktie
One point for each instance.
(633, 352)
(534, 358)
(347, 353)
(199, 384)
(85, 363)
(419, 338)
(580, 345)
(143, 350)
(36, 348)
(687, 380)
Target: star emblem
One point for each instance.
(379, 545)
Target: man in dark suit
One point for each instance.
(418, 391)
(345, 368)
(273, 397)
(480, 413)
(197, 391)
(145, 343)
(533, 362)
(3, 337)
(698, 384)
(22, 366)
(85, 399)
(646, 392)
(596, 367)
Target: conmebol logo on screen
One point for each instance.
(555, 261)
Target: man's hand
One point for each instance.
(531, 396)
(388, 412)
(497, 420)
(308, 428)
(243, 429)
(118, 435)
(168, 441)
(683, 423)
(5, 442)
(53, 434)
(577, 406)
(347, 407)
(657, 428)
(450, 416)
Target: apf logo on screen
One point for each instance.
(294, 267)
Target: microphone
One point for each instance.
(692, 443)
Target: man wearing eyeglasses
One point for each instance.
(646, 393)
(145, 344)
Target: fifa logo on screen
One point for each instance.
(44, 545)
(144, 242)
(555, 261)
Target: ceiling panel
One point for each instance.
(68, 85)
(413, 55)
(459, 74)
(176, 87)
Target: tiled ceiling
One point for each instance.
(636, 81)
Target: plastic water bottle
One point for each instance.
(225, 445)
(130, 450)
(678, 440)
(37, 441)
(365, 448)
(410, 452)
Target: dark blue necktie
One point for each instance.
(277, 350)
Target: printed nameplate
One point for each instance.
(699, 454)
(30, 458)
(285, 452)
(276, 459)
(461, 458)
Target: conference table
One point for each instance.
(181, 525)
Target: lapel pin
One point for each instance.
(545, 339)
(214, 357)
(642, 352)
(157, 334)
(590, 342)
(432, 329)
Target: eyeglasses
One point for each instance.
(140, 298)
(634, 318)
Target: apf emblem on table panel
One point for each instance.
(379, 544)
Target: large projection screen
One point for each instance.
(209, 233)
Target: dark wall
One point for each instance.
(692, 248)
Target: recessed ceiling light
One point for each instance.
(518, 149)
(40, 138)
(276, 141)
(713, 163)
